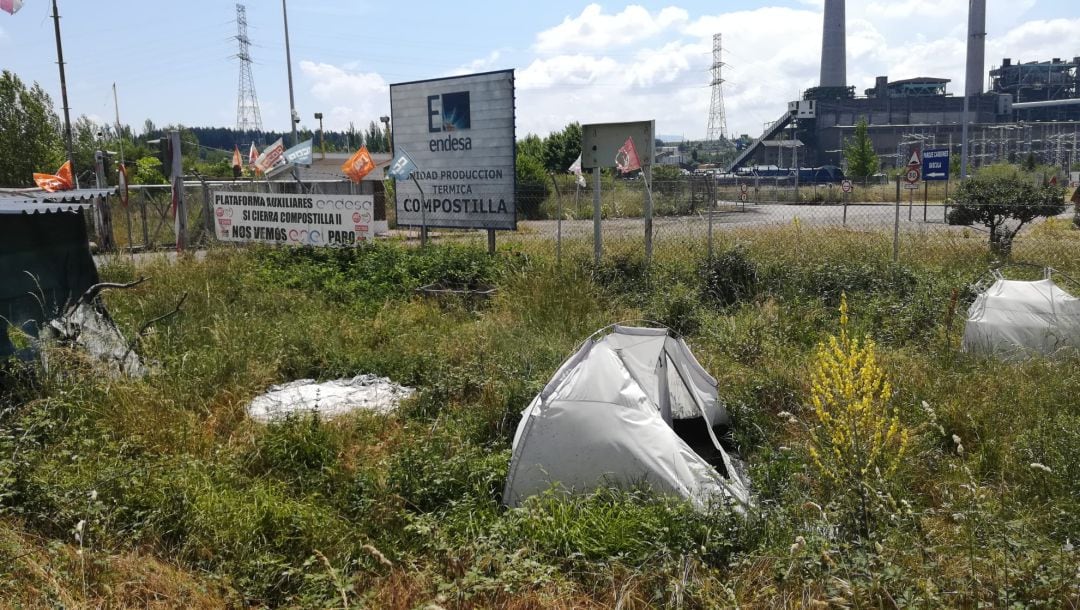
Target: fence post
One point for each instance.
(896, 225)
(598, 247)
(558, 220)
(145, 224)
(178, 192)
(208, 213)
(710, 210)
(102, 214)
(925, 198)
(647, 177)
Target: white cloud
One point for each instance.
(631, 63)
(352, 96)
(593, 29)
(482, 64)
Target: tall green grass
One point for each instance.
(405, 509)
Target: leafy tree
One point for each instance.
(1003, 199)
(532, 185)
(1030, 163)
(148, 171)
(29, 132)
(561, 148)
(532, 146)
(859, 153)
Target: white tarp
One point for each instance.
(329, 398)
(601, 420)
(1013, 318)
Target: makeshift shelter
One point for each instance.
(46, 266)
(1013, 319)
(626, 409)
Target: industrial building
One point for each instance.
(1030, 109)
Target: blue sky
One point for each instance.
(172, 61)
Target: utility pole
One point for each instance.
(63, 93)
(293, 117)
(322, 144)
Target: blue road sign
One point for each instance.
(935, 164)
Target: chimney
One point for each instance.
(833, 53)
(976, 47)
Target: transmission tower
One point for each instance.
(717, 117)
(247, 105)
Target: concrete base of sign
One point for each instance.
(328, 399)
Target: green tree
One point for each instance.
(859, 153)
(532, 146)
(1003, 199)
(29, 132)
(561, 148)
(532, 185)
(148, 171)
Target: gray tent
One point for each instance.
(612, 414)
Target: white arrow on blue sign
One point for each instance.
(935, 164)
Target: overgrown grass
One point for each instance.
(181, 494)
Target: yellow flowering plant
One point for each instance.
(858, 439)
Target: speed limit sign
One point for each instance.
(743, 196)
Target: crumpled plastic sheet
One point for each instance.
(328, 399)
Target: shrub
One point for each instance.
(997, 195)
(730, 277)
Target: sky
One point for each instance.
(174, 62)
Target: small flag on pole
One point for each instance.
(627, 159)
(122, 179)
(253, 154)
(60, 181)
(358, 165)
(575, 167)
(11, 6)
(402, 167)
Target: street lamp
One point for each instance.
(389, 139)
(322, 146)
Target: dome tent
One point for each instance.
(1012, 319)
(607, 415)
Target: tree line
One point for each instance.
(31, 140)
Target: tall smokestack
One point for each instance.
(976, 47)
(833, 48)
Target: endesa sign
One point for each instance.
(459, 132)
(302, 220)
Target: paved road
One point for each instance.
(859, 216)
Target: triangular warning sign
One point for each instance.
(915, 158)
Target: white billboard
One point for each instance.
(301, 220)
(460, 133)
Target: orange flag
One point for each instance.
(237, 160)
(359, 165)
(60, 181)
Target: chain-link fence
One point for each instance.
(691, 216)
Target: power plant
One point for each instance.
(1031, 109)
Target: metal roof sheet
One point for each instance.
(36, 201)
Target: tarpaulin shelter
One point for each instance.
(1013, 319)
(45, 259)
(624, 410)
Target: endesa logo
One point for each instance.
(449, 112)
